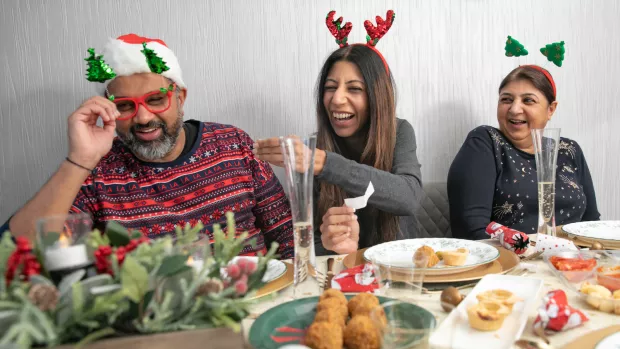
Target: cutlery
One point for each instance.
(329, 275)
(532, 256)
(532, 344)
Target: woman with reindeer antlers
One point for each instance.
(359, 140)
(493, 177)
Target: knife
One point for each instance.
(329, 274)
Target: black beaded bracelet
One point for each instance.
(78, 165)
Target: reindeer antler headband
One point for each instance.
(554, 53)
(374, 33)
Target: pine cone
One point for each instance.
(210, 286)
(45, 297)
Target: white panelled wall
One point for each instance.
(254, 64)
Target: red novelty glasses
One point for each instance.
(155, 102)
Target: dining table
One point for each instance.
(535, 268)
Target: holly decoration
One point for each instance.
(98, 70)
(156, 64)
(144, 286)
(22, 262)
(103, 255)
(514, 48)
(554, 52)
(340, 33)
(376, 33)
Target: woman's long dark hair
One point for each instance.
(378, 150)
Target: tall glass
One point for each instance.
(401, 326)
(546, 146)
(403, 283)
(299, 167)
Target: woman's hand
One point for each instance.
(269, 150)
(340, 230)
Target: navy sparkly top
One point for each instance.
(491, 180)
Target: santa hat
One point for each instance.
(124, 55)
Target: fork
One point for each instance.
(532, 256)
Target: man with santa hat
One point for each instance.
(160, 171)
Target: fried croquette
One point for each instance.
(323, 335)
(361, 333)
(366, 308)
(335, 304)
(331, 315)
(362, 298)
(333, 293)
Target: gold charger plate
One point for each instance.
(278, 284)
(586, 242)
(590, 340)
(507, 261)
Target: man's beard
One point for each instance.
(155, 149)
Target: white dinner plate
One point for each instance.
(399, 254)
(595, 230)
(275, 268)
(610, 342)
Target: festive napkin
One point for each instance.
(360, 201)
(555, 313)
(511, 239)
(356, 279)
(551, 243)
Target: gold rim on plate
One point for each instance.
(507, 261)
(590, 340)
(278, 284)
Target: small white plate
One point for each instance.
(455, 332)
(598, 230)
(275, 268)
(610, 342)
(399, 254)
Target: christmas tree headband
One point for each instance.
(554, 53)
(99, 71)
(374, 33)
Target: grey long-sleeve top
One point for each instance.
(396, 192)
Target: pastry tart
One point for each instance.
(454, 258)
(503, 297)
(487, 315)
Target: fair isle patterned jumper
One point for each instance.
(218, 175)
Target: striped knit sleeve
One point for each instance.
(272, 210)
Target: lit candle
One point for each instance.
(196, 264)
(62, 256)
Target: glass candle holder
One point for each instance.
(62, 239)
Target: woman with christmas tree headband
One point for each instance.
(493, 176)
(359, 140)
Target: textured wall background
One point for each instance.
(254, 64)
